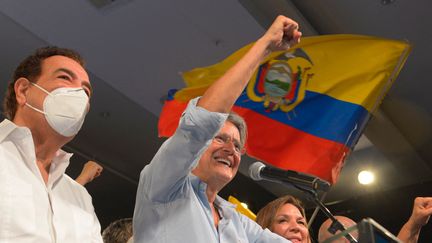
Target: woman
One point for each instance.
(285, 216)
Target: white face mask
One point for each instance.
(64, 109)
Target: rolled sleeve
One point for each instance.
(201, 124)
(162, 178)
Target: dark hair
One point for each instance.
(119, 231)
(31, 68)
(267, 214)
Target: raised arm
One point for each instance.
(163, 177)
(222, 94)
(422, 210)
(90, 171)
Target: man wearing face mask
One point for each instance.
(45, 106)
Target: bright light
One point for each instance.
(366, 177)
(244, 205)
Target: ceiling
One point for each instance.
(135, 51)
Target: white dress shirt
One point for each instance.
(32, 211)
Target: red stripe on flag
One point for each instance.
(170, 116)
(291, 148)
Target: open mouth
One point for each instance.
(295, 240)
(224, 161)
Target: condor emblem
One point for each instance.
(281, 82)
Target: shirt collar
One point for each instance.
(59, 163)
(223, 203)
(58, 166)
(225, 207)
(7, 127)
(197, 183)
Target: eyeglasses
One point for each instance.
(225, 139)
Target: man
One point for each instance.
(177, 197)
(324, 234)
(409, 233)
(45, 104)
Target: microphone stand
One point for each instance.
(336, 225)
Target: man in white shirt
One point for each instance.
(45, 104)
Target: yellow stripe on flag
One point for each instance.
(356, 69)
(351, 68)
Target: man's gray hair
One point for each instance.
(240, 123)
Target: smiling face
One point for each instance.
(219, 163)
(290, 224)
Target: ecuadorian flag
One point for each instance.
(305, 108)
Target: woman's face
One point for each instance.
(290, 224)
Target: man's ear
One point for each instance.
(21, 87)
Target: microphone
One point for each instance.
(259, 171)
